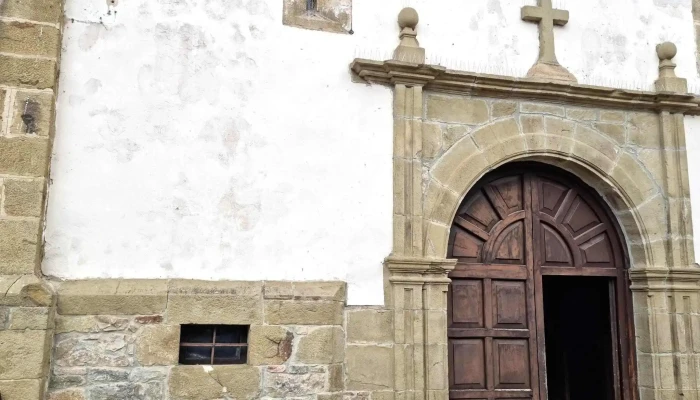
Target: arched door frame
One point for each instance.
(487, 202)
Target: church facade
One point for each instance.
(337, 199)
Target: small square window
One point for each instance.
(213, 344)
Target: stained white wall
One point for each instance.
(204, 139)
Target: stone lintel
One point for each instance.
(438, 78)
(112, 297)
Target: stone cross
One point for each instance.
(546, 16)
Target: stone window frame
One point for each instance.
(330, 15)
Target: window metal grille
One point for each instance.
(311, 5)
(213, 344)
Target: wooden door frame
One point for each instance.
(625, 337)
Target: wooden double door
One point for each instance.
(515, 229)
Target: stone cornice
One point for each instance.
(439, 78)
(419, 270)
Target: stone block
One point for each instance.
(369, 367)
(278, 290)
(325, 345)
(540, 108)
(23, 197)
(32, 113)
(200, 302)
(112, 297)
(97, 350)
(432, 140)
(336, 378)
(33, 10)
(60, 382)
(496, 133)
(126, 391)
(450, 162)
(269, 345)
(329, 291)
(158, 345)
(582, 114)
(24, 290)
(25, 389)
(27, 72)
(457, 109)
(294, 381)
(645, 130)
(71, 394)
(616, 132)
(532, 123)
(107, 375)
(25, 354)
(370, 326)
(303, 312)
(19, 246)
(90, 323)
(34, 318)
(330, 15)
(208, 383)
(613, 116)
(23, 156)
(453, 134)
(500, 109)
(29, 39)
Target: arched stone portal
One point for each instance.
(451, 128)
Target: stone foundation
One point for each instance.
(120, 340)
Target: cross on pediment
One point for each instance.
(547, 17)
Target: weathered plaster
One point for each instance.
(204, 139)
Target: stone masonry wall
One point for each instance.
(120, 340)
(30, 36)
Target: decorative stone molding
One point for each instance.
(668, 81)
(438, 78)
(409, 50)
(321, 15)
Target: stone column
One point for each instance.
(30, 37)
(666, 302)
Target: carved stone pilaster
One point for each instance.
(418, 295)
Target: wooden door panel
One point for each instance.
(467, 298)
(509, 304)
(470, 372)
(511, 363)
(492, 342)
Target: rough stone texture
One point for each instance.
(370, 326)
(24, 197)
(32, 113)
(269, 345)
(23, 354)
(27, 72)
(72, 394)
(28, 39)
(25, 389)
(369, 367)
(18, 246)
(158, 345)
(198, 302)
(23, 156)
(205, 383)
(35, 318)
(455, 109)
(501, 109)
(34, 10)
(325, 345)
(283, 312)
(112, 297)
(329, 16)
(294, 380)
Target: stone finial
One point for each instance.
(409, 49)
(668, 81)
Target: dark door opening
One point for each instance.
(579, 338)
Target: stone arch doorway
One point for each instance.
(539, 306)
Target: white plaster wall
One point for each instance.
(204, 139)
